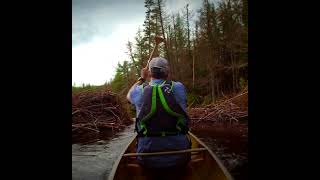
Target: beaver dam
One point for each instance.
(96, 115)
(101, 128)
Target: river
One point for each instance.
(94, 161)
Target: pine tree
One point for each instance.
(141, 50)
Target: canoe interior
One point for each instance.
(203, 165)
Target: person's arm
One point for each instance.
(180, 94)
(142, 79)
(130, 92)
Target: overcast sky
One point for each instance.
(100, 31)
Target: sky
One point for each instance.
(100, 32)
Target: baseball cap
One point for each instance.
(159, 62)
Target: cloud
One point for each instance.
(95, 62)
(92, 18)
(179, 5)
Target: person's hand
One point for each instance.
(158, 39)
(144, 73)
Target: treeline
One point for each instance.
(206, 48)
(89, 88)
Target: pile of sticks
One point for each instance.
(96, 114)
(228, 110)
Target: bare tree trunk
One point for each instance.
(210, 50)
(171, 61)
(176, 48)
(237, 78)
(233, 71)
(193, 59)
(188, 29)
(212, 87)
(149, 38)
(195, 47)
(163, 33)
(193, 71)
(217, 86)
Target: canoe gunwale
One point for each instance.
(226, 172)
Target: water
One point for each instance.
(230, 144)
(235, 162)
(94, 161)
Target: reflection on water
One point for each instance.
(94, 161)
(230, 144)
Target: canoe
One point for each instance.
(204, 163)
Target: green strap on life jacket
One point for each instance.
(171, 88)
(152, 112)
(165, 106)
(169, 111)
(142, 86)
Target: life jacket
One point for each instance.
(160, 114)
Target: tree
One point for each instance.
(160, 7)
(130, 53)
(141, 50)
(188, 31)
(209, 56)
(208, 39)
(149, 24)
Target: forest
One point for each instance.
(207, 49)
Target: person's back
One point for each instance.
(162, 121)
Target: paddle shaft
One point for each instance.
(158, 40)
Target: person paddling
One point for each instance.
(161, 121)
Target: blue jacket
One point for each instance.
(155, 144)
